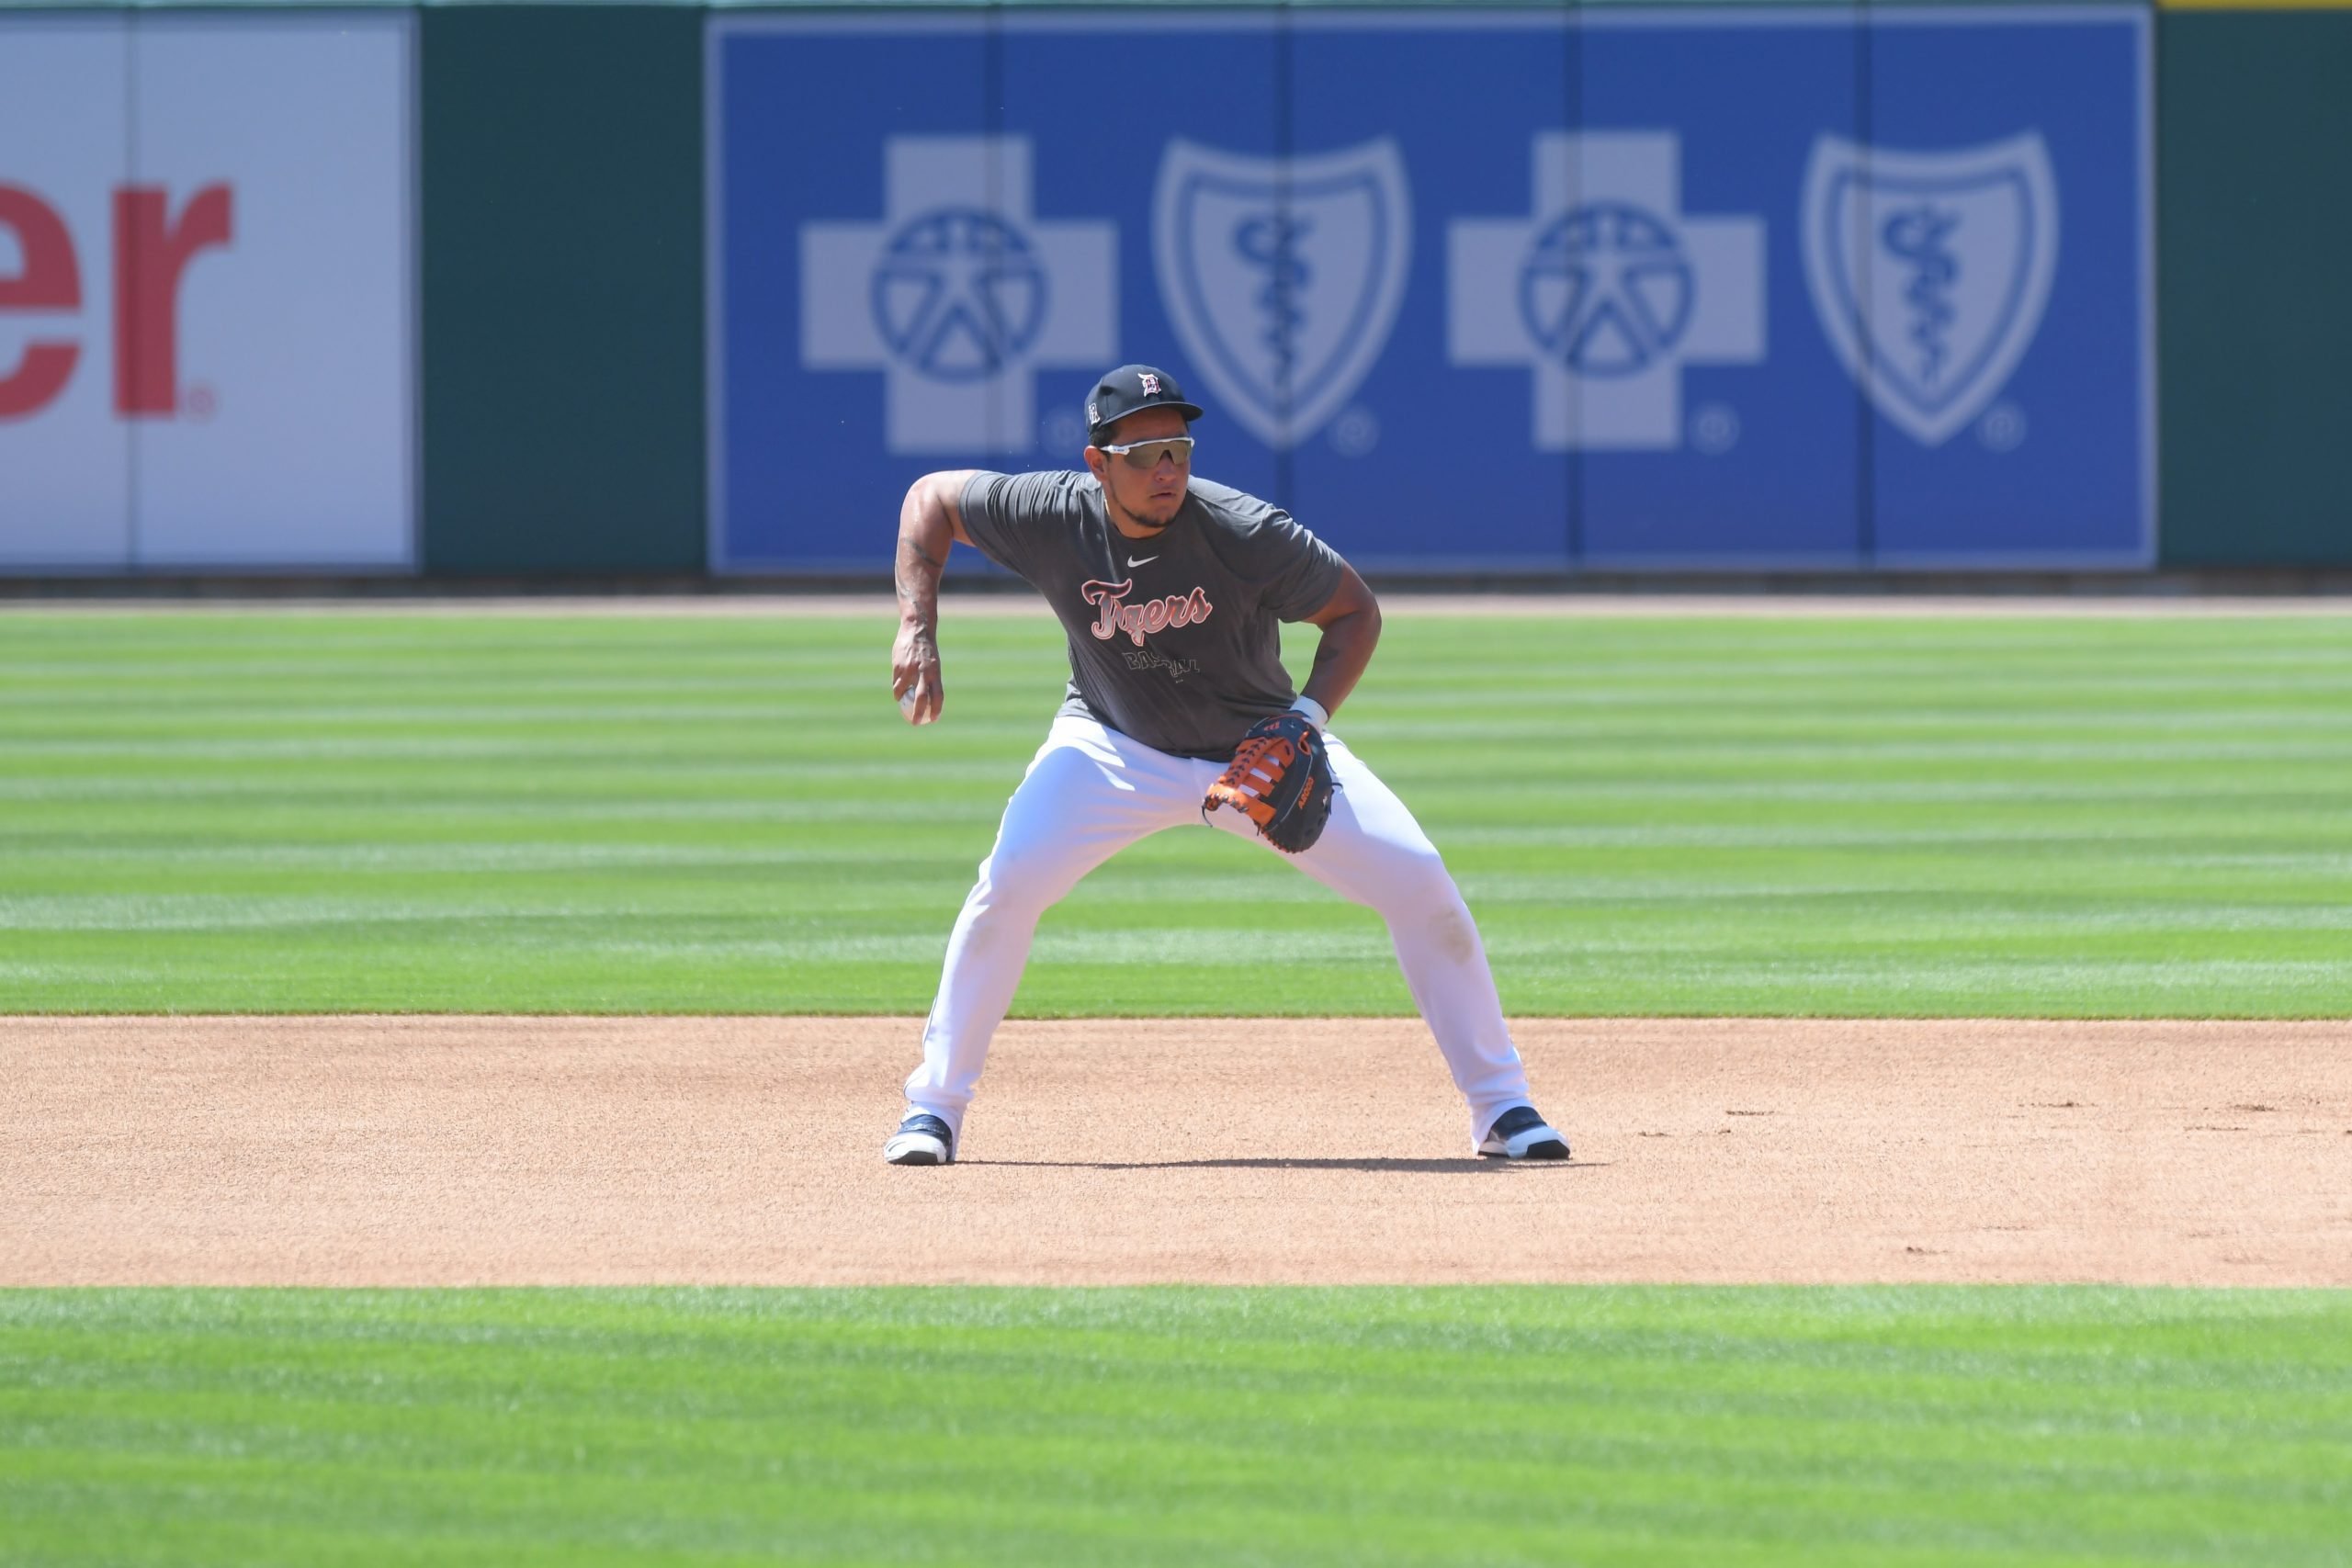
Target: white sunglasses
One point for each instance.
(1146, 454)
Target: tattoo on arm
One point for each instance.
(926, 531)
(918, 582)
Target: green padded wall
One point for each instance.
(2254, 255)
(562, 291)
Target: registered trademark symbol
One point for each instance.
(1714, 429)
(2002, 429)
(202, 403)
(1356, 431)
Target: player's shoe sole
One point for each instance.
(921, 1139)
(1521, 1133)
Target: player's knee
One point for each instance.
(1416, 881)
(1425, 871)
(1024, 877)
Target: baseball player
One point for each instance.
(1178, 711)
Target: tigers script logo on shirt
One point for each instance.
(1115, 614)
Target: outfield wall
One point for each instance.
(1768, 288)
(563, 333)
(652, 291)
(207, 292)
(2255, 229)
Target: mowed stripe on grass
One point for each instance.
(399, 812)
(1178, 1426)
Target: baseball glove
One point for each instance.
(1279, 779)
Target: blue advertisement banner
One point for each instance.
(1505, 292)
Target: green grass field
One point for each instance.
(1176, 1426)
(240, 811)
(272, 812)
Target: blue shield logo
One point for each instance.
(1929, 270)
(1282, 277)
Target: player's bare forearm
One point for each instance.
(928, 524)
(919, 565)
(1341, 658)
(1350, 625)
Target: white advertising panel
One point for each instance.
(64, 458)
(244, 395)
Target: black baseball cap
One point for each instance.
(1130, 390)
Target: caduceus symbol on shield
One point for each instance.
(1282, 276)
(1270, 242)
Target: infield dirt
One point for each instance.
(443, 1150)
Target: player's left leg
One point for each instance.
(1373, 853)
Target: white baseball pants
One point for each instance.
(1091, 792)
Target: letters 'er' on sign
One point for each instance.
(151, 252)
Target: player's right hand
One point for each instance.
(914, 675)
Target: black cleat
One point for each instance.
(1521, 1133)
(921, 1139)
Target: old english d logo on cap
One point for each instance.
(1132, 388)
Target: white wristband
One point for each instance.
(1316, 713)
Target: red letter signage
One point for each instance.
(51, 280)
(150, 254)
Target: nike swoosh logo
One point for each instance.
(1133, 561)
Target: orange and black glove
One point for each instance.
(1280, 779)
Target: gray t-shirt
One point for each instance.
(1175, 639)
